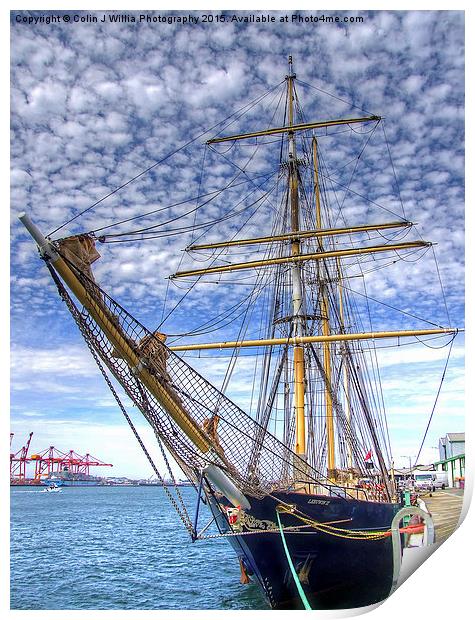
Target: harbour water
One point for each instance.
(117, 548)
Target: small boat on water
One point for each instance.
(302, 486)
(51, 488)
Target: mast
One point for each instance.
(297, 296)
(325, 317)
(346, 384)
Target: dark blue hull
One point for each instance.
(335, 572)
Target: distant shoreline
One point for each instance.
(107, 484)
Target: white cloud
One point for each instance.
(71, 360)
(94, 106)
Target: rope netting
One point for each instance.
(256, 459)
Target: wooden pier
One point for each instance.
(445, 507)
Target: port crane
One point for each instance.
(48, 462)
(52, 461)
(19, 460)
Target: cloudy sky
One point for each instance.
(94, 104)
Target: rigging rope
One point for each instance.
(353, 105)
(157, 163)
(414, 316)
(394, 170)
(441, 285)
(250, 304)
(182, 513)
(352, 191)
(176, 204)
(202, 225)
(264, 197)
(436, 399)
(219, 253)
(353, 172)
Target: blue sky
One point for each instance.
(93, 104)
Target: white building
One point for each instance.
(451, 445)
(452, 458)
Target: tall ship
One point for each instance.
(300, 483)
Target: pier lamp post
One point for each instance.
(404, 456)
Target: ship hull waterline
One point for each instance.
(335, 572)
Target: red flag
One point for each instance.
(368, 456)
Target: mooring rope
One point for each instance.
(300, 590)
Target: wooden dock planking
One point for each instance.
(445, 507)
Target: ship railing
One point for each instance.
(345, 492)
(348, 492)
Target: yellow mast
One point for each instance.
(346, 385)
(297, 295)
(325, 315)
